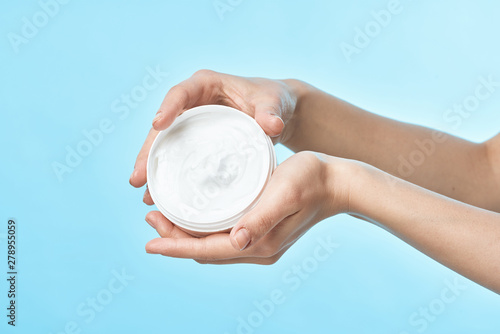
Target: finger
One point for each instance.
(147, 198)
(268, 114)
(201, 88)
(254, 260)
(277, 202)
(164, 227)
(139, 175)
(213, 247)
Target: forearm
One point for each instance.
(442, 163)
(462, 237)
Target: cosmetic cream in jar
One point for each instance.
(209, 168)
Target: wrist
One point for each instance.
(346, 180)
(298, 88)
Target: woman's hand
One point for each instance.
(305, 189)
(271, 102)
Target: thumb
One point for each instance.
(268, 115)
(254, 225)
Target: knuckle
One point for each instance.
(260, 225)
(263, 223)
(309, 158)
(204, 73)
(209, 79)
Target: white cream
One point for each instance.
(209, 168)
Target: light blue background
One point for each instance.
(74, 233)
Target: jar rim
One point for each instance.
(218, 225)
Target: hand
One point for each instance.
(305, 189)
(271, 102)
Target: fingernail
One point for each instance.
(273, 114)
(158, 116)
(242, 238)
(281, 119)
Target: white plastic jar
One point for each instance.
(209, 168)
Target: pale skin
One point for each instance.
(346, 162)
